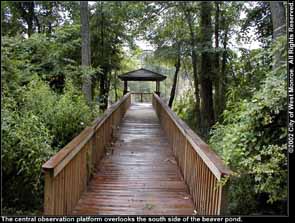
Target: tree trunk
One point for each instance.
(86, 59)
(197, 92)
(217, 108)
(206, 90)
(195, 70)
(30, 27)
(115, 86)
(108, 91)
(103, 89)
(28, 15)
(278, 16)
(103, 94)
(222, 78)
(30, 20)
(50, 14)
(173, 89)
(39, 27)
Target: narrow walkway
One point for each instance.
(139, 174)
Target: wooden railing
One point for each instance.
(202, 169)
(68, 172)
(141, 97)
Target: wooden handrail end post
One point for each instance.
(224, 198)
(49, 192)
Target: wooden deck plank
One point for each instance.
(140, 176)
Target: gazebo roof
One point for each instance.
(142, 75)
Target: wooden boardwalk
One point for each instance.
(139, 174)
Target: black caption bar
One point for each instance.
(145, 219)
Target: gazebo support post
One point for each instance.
(158, 88)
(125, 87)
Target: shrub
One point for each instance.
(252, 141)
(39, 115)
(65, 115)
(26, 145)
(34, 127)
(184, 107)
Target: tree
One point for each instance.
(217, 74)
(206, 84)
(86, 58)
(110, 29)
(177, 68)
(37, 16)
(279, 26)
(251, 137)
(224, 28)
(222, 77)
(26, 11)
(11, 23)
(168, 36)
(258, 16)
(193, 41)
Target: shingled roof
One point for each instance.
(142, 75)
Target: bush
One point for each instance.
(33, 129)
(65, 115)
(252, 141)
(43, 109)
(184, 107)
(26, 145)
(51, 58)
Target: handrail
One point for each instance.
(212, 160)
(141, 94)
(98, 121)
(201, 167)
(65, 155)
(68, 171)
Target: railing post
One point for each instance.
(125, 87)
(49, 193)
(224, 199)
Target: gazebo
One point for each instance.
(142, 75)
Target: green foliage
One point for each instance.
(43, 108)
(51, 58)
(107, 35)
(184, 107)
(252, 141)
(45, 16)
(33, 129)
(10, 22)
(26, 145)
(249, 74)
(65, 115)
(259, 17)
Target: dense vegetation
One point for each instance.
(38, 115)
(252, 141)
(60, 63)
